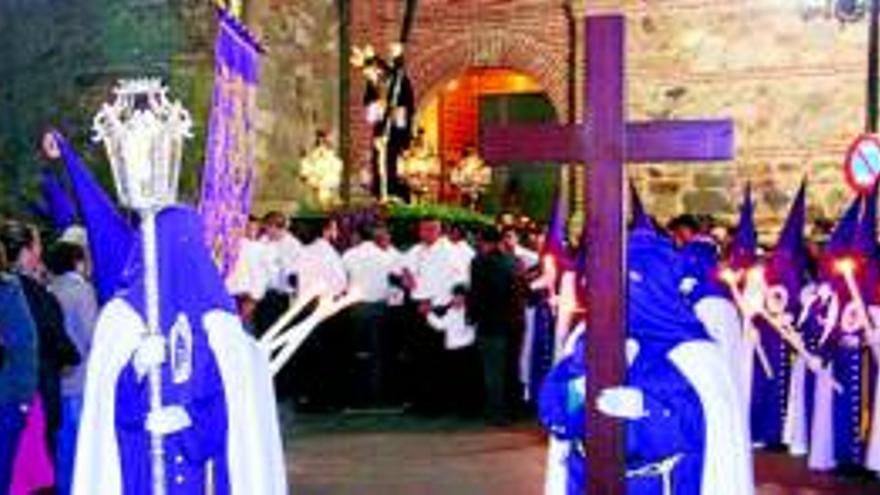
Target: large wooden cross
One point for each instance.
(605, 141)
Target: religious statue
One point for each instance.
(390, 105)
(420, 166)
(471, 176)
(321, 170)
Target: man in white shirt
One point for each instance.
(464, 253)
(320, 266)
(431, 269)
(249, 279)
(319, 372)
(370, 265)
(280, 253)
(527, 258)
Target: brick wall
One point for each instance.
(450, 36)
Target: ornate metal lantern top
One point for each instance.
(143, 133)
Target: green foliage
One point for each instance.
(401, 219)
(444, 212)
(59, 61)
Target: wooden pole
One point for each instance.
(344, 137)
(606, 263)
(872, 97)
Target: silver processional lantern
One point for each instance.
(143, 133)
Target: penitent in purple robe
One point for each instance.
(214, 371)
(186, 452)
(189, 288)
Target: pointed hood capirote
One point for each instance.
(657, 310)
(111, 236)
(744, 248)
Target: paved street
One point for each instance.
(387, 454)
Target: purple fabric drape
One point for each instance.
(229, 158)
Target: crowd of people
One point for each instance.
(472, 321)
(47, 317)
(438, 327)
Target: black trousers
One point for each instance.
(321, 365)
(499, 370)
(462, 381)
(367, 377)
(422, 355)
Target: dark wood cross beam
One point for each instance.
(605, 142)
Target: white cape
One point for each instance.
(254, 451)
(556, 473)
(821, 456)
(727, 463)
(722, 321)
(794, 433)
(872, 454)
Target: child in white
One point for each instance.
(460, 365)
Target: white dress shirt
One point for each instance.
(464, 254)
(458, 333)
(320, 263)
(368, 267)
(526, 256)
(436, 270)
(282, 256)
(250, 275)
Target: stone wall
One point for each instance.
(299, 93)
(794, 87)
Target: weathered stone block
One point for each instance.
(707, 202)
(713, 180)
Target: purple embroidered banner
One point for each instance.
(229, 158)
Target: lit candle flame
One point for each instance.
(845, 266)
(729, 276)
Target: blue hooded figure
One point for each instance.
(217, 398)
(784, 272)
(562, 412)
(850, 361)
(685, 432)
(837, 428)
(541, 315)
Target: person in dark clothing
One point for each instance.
(496, 307)
(57, 353)
(18, 372)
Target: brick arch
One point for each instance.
(432, 66)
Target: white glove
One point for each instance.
(167, 420)
(687, 285)
(622, 402)
(150, 352)
(400, 119)
(752, 335)
(814, 363)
